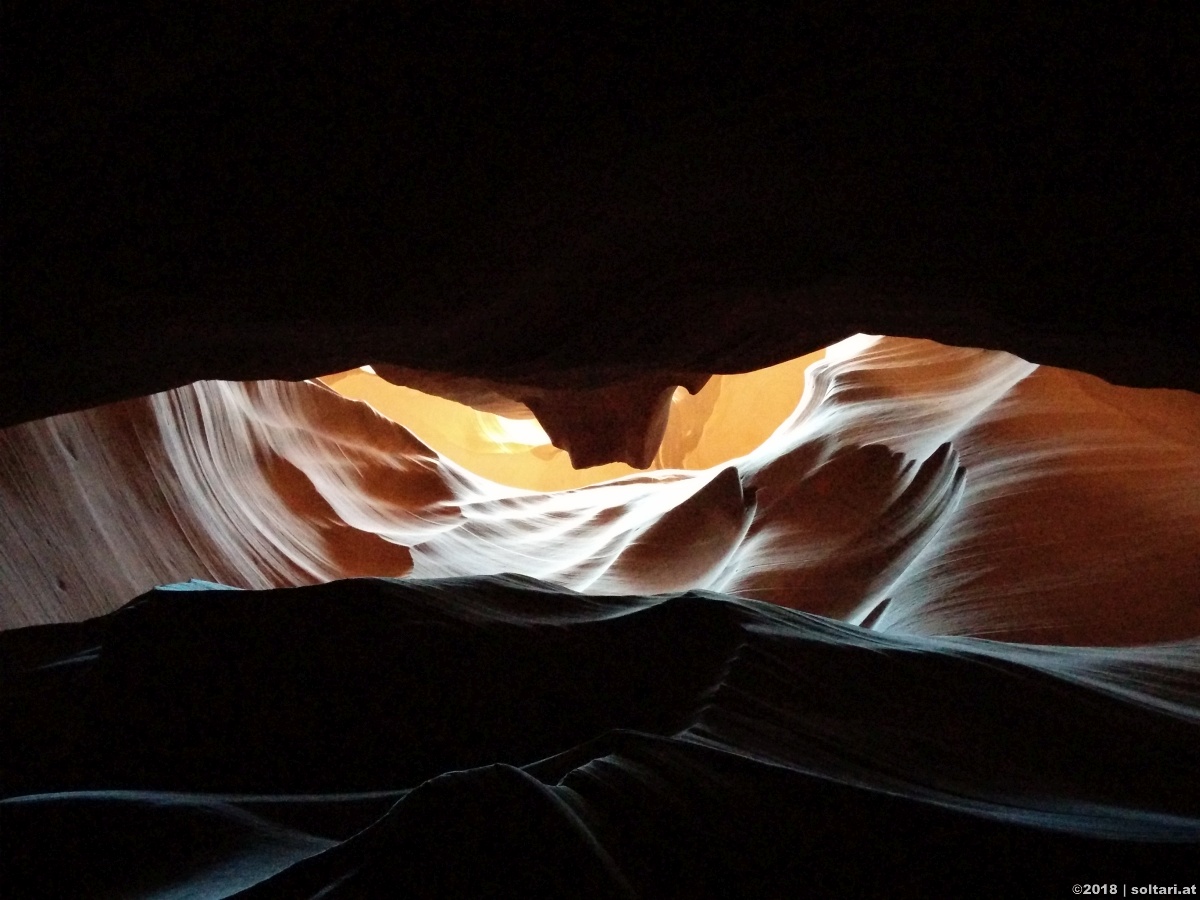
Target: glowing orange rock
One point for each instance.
(913, 488)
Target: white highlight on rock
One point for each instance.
(916, 488)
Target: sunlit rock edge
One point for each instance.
(915, 489)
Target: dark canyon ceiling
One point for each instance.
(557, 195)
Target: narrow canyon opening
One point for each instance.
(727, 418)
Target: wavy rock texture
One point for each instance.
(610, 198)
(625, 717)
(917, 489)
(369, 738)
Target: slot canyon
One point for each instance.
(519, 450)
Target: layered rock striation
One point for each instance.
(916, 488)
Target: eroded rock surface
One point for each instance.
(916, 488)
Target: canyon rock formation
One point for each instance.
(924, 620)
(912, 486)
